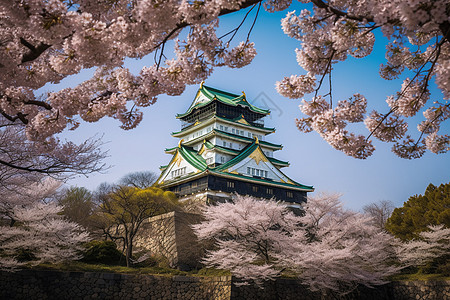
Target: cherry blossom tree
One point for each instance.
(24, 162)
(39, 232)
(45, 41)
(336, 249)
(418, 49)
(249, 232)
(331, 249)
(432, 244)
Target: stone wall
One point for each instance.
(419, 290)
(84, 285)
(171, 237)
(288, 289)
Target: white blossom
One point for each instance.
(39, 229)
(329, 248)
(295, 86)
(46, 41)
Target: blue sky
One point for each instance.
(383, 176)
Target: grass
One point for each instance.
(419, 277)
(204, 272)
(85, 267)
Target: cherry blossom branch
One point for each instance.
(235, 30)
(326, 6)
(34, 52)
(445, 29)
(325, 72)
(19, 116)
(424, 86)
(254, 22)
(429, 124)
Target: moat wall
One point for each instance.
(89, 285)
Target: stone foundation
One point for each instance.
(44, 285)
(171, 237)
(84, 285)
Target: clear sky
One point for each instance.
(383, 176)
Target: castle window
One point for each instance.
(224, 143)
(194, 184)
(221, 127)
(254, 188)
(226, 128)
(249, 134)
(290, 194)
(209, 160)
(269, 191)
(222, 159)
(257, 172)
(231, 145)
(178, 172)
(242, 132)
(232, 130)
(230, 184)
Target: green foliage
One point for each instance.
(210, 272)
(85, 267)
(419, 277)
(102, 252)
(78, 205)
(123, 210)
(420, 211)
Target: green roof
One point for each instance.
(296, 185)
(245, 152)
(191, 156)
(277, 161)
(210, 145)
(196, 160)
(225, 97)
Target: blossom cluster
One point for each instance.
(42, 231)
(328, 247)
(46, 41)
(331, 124)
(418, 42)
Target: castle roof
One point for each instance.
(231, 169)
(206, 95)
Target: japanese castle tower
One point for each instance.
(223, 149)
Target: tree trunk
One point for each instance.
(129, 252)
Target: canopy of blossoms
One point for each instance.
(45, 41)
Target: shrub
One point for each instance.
(103, 252)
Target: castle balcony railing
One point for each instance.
(190, 189)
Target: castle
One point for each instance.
(223, 149)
